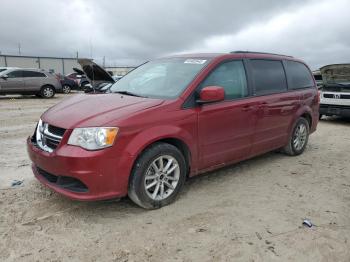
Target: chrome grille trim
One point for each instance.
(46, 140)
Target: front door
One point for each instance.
(226, 129)
(13, 83)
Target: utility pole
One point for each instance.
(90, 48)
(19, 48)
(77, 55)
(104, 61)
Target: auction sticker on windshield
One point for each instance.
(195, 61)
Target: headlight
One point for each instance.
(93, 138)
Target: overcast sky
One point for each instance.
(131, 31)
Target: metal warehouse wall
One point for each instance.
(25, 62)
(51, 64)
(2, 61)
(55, 64)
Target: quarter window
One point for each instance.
(299, 75)
(268, 77)
(231, 76)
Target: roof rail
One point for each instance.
(252, 52)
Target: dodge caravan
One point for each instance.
(173, 118)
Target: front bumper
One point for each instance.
(80, 174)
(338, 110)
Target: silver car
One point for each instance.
(28, 82)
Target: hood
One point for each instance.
(78, 71)
(94, 72)
(87, 110)
(336, 74)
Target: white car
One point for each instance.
(335, 92)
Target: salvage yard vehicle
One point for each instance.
(335, 92)
(67, 83)
(28, 82)
(173, 118)
(79, 77)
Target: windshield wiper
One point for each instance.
(128, 93)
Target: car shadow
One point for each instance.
(124, 207)
(336, 120)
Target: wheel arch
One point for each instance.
(175, 136)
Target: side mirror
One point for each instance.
(4, 77)
(211, 94)
(78, 76)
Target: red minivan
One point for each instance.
(170, 119)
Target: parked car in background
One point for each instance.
(79, 77)
(29, 82)
(335, 92)
(99, 79)
(170, 119)
(67, 83)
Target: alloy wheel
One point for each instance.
(299, 137)
(66, 89)
(162, 177)
(48, 92)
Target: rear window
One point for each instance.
(33, 74)
(268, 77)
(299, 75)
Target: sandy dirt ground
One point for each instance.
(252, 211)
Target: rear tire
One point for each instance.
(47, 92)
(298, 139)
(158, 176)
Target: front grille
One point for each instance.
(56, 130)
(65, 182)
(336, 96)
(48, 136)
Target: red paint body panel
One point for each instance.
(215, 134)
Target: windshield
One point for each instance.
(163, 78)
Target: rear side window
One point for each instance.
(231, 76)
(268, 76)
(33, 74)
(15, 74)
(299, 75)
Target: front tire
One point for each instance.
(158, 176)
(299, 138)
(47, 92)
(66, 89)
